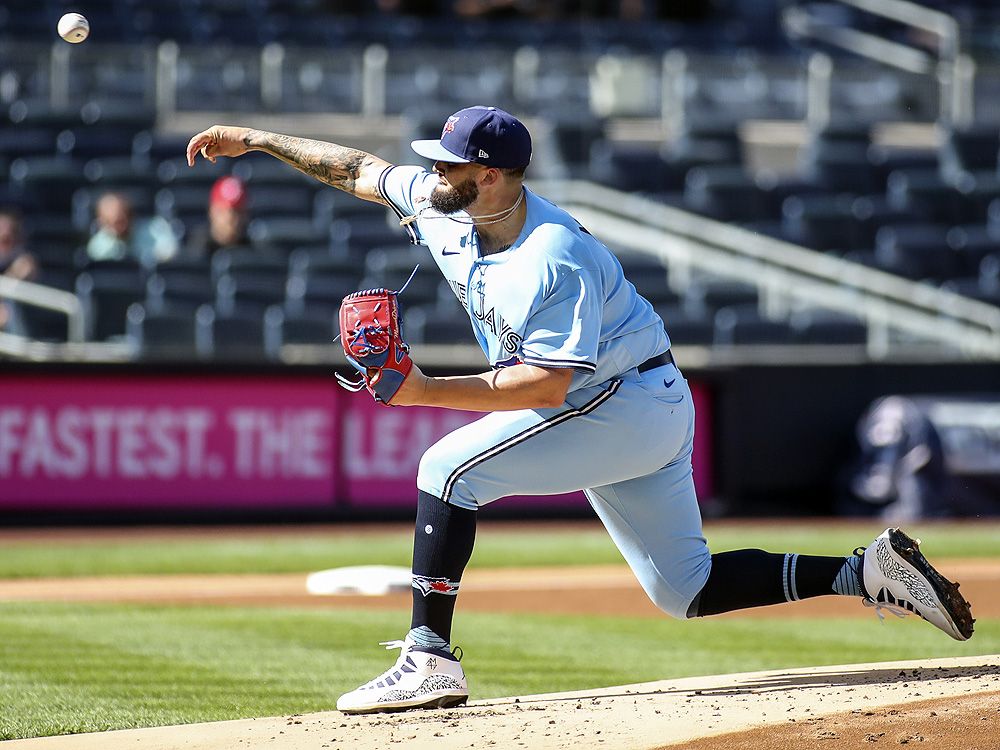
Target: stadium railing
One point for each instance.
(788, 276)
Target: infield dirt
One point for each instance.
(949, 704)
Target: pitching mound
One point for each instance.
(942, 703)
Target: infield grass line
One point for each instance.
(498, 546)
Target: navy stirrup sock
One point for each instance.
(442, 547)
(754, 578)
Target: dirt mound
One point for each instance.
(831, 703)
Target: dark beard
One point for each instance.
(456, 198)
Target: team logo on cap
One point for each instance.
(449, 126)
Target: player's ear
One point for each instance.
(490, 176)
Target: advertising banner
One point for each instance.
(88, 442)
(176, 442)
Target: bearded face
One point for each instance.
(450, 199)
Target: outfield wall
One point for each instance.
(190, 441)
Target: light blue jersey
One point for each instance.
(556, 298)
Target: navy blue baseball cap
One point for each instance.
(480, 135)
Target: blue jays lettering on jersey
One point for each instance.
(556, 298)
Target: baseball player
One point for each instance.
(582, 393)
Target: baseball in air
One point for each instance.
(74, 28)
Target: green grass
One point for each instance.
(71, 668)
(498, 545)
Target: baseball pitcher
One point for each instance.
(582, 393)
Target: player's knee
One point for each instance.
(670, 603)
(436, 476)
(675, 594)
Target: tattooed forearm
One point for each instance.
(335, 165)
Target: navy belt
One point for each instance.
(660, 360)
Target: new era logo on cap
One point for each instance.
(484, 135)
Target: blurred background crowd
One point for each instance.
(852, 143)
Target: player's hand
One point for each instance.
(411, 392)
(218, 140)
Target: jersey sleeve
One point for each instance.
(403, 187)
(565, 329)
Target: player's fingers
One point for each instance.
(196, 144)
(205, 154)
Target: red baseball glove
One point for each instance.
(373, 343)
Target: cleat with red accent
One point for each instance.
(420, 678)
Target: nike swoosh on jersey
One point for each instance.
(665, 383)
(453, 252)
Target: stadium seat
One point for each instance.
(174, 290)
(19, 140)
(631, 167)
(152, 148)
(247, 261)
(161, 335)
(54, 237)
(726, 193)
(703, 298)
(887, 160)
(52, 179)
(684, 328)
(425, 288)
(917, 252)
(815, 326)
(822, 222)
(573, 141)
(105, 302)
(319, 294)
(176, 172)
(740, 325)
(397, 261)
(267, 201)
(925, 192)
(317, 261)
(840, 166)
(989, 271)
(332, 204)
(37, 323)
(649, 276)
(282, 327)
(284, 233)
(971, 243)
(424, 325)
(972, 149)
(247, 294)
(124, 272)
(238, 337)
(93, 141)
(975, 288)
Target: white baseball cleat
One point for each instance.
(420, 678)
(897, 577)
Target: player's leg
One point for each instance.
(655, 522)
(427, 673)
(531, 452)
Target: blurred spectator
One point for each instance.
(227, 219)
(120, 235)
(15, 261)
